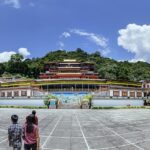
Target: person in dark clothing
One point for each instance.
(15, 134)
(35, 118)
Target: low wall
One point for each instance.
(95, 102)
(123, 102)
(22, 102)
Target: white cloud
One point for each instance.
(13, 3)
(136, 39)
(24, 52)
(61, 45)
(105, 52)
(65, 34)
(5, 56)
(97, 39)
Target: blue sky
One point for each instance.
(119, 29)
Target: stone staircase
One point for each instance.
(69, 106)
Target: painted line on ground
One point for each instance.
(51, 133)
(124, 145)
(97, 136)
(4, 140)
(82, 132)
(130, 143)
(112, 147)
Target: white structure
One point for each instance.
(16, 92)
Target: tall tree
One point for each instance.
(2, 68)
(17, 65)
(16, 58)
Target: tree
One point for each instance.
(106, 67)
(2, 68)
(108, 71)
(16, 65)
(16, 58)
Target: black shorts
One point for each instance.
(30, 146)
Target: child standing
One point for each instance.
(15, 133)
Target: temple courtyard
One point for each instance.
(76, 129)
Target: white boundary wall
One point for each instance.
(122, 102)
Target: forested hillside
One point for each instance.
(107, 68)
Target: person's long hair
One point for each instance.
(29, 127)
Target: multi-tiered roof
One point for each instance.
(69, 69)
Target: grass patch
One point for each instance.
(27, 107)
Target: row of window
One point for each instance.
(146, 85)
(125, 94)
(115, 93)
(16, 94)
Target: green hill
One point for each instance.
(107, 68)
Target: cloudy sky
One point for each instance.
(119, 29)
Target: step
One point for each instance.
(69, 106)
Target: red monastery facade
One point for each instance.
(69, 69)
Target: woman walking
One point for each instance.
(31, 135)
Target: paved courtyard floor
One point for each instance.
(122, 129)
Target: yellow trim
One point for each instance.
(39, 83)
